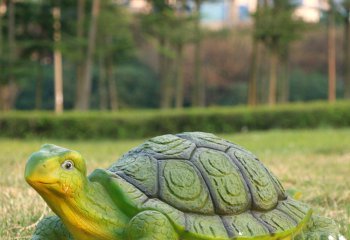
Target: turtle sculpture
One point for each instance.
(189, 186)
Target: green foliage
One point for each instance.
(309, 86)
(32, 40)
(138, 86)
(235, 94)
(146, 123)
(170, 26)
(276, 25)
(114, 36)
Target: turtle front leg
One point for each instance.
(151, 225)
(320, 228)
(51, 228)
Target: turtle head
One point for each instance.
(54, 170)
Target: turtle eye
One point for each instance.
(67, 165)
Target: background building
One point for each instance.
(228, 13)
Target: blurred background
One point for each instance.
(123, 54)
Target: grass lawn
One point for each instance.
(316, 162)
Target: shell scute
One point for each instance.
(262, 188)
(208, 226)
(139, 169)
(182, 185)
(276, 220)
(175, 215)
(207, 140)
(133, 193)
(228, 189)
(168, 147)
(245, 225)
(294, 209)
(282, 195)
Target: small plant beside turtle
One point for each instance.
(189, 186)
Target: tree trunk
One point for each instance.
(58, 82)
(39, 88)
(161, 73)
(102, 83)
(58, 61)
(179, 100)
(165, 74)
(169, 82)
(273, 78)
(331, 55)
(199, 86)
(253, 79)
(263, 75)
(11, 37)
(2, 12)
(284, 86)
(80, 65)
(1, 36)
(347, 54)
(255, 64)
(8, 91)
(113, 93)
(84, 101)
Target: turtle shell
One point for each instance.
(209, 186)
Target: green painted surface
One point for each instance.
(245, 225)
(184, 188)
(261, 186)
(226, 182)
(168, 146)
(205, 227)
(176, 216)
(142, 169)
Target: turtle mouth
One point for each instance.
(46, 183)
(42, 183)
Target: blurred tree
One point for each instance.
(301, 82)
(255, 64)
(225, 57)
(114, 46)
(276, 27)
(83, 101)
(283, 95)
(39, 88)
(179, 96)
(253, 77)
(58, 71)
(119, 79)
(199, 83)
(155, 24)
(35, 46)
(331, 32)
(102, 86)
(182, 24)
(346, 17)
(171, 27)
(138, 86)
(8, 86)
(2, 57)
(2, 13)
(80, 31)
